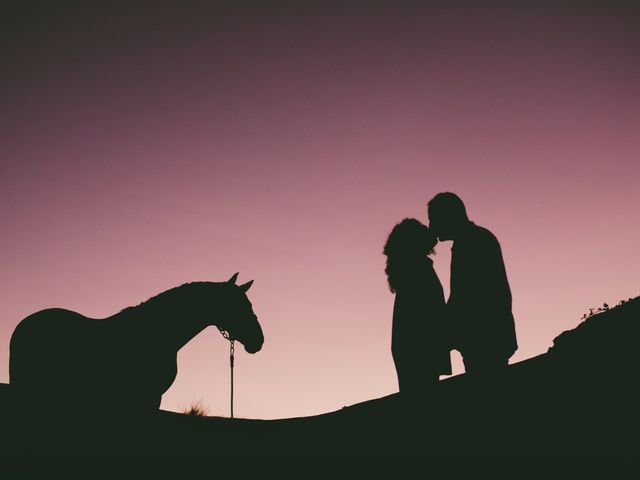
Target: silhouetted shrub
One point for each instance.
(197, 409)
(605, 307)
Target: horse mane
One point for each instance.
(170, 296)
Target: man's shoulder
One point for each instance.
(478, 230)
(482, 235)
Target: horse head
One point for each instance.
(238, 319)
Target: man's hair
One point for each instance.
(449, 204)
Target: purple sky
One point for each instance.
(148, 146)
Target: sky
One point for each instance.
(147, 145)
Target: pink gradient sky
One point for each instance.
(148, 147)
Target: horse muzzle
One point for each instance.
(253, 347)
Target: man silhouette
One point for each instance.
(479, 304)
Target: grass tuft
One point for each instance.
(197, 409)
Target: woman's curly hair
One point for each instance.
(408, 243)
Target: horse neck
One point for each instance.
(175, 316)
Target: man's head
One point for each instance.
(447, 215)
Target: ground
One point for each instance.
(569, 411)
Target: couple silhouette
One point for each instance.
(476, 320)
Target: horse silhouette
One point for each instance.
(124, 362)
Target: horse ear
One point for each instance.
(246, 286)
(233, 279)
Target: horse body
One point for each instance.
(126, 361)
(61, 355)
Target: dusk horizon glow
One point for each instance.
(148, 146)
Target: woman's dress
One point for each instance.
(419, 342)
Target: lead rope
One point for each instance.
(231, 357)
(231, 360)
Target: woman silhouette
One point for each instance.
(418, 342)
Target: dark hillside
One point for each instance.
(571, 409)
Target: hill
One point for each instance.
(570, 410)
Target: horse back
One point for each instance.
(43, 338)
(46, 326)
